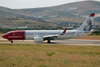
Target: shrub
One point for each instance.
(49, 54)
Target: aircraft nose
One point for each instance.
(4, 36)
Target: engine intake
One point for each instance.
(38, 39)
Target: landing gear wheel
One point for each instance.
(49, 41)
(11, 41)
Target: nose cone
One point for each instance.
(4, 36)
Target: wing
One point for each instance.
(52, 37)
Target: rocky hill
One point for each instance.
(63, 15)
(22, 22)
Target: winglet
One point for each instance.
(64, 31)
(92, 14)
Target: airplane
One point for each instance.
(42, 35)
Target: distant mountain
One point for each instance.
(64, 15)
(22, 22)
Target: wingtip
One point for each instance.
(65, 30)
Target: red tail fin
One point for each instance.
(92, 15)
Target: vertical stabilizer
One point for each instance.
(87, 24)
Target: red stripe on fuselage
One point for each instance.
(15, 35)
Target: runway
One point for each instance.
(58, 42)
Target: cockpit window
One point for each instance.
(7, 33)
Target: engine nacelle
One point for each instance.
(38, 39)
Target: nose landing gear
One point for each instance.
(11, 41)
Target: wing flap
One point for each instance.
(50, 37)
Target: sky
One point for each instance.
(22, 4)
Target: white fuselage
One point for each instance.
(70, 34)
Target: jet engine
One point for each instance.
(38, 39)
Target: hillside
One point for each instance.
(22, 22)
(72, 14)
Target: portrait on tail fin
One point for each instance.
(88, 26)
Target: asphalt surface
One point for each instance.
(1, 38)
(60, 42)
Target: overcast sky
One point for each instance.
(19, 4)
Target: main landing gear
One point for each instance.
(11, 41)
(49, 41)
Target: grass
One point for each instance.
(29, 55)
(1, 34)
(49, 54)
